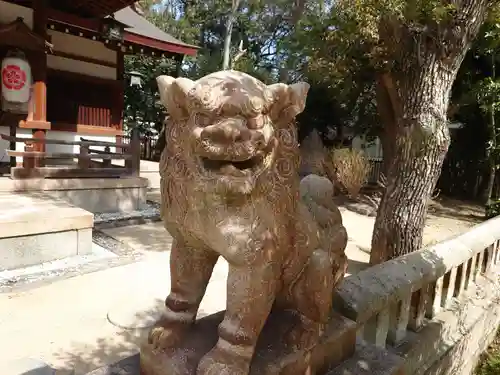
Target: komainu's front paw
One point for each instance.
(166, 336)
(218, 362)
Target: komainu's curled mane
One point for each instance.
(230, 187)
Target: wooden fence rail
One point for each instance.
(148, 147)
(90, 162)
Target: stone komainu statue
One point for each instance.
(230, 187)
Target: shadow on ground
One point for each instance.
(456, 209)
(85, 358)
(132, 331)
(145, 238)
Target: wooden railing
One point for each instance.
(394, 301)
(148, 147)
(375, 170)
(88, 162)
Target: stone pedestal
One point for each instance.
(370, 360)
(272, 357)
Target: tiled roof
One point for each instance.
(141, 26)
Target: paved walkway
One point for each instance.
(66, 323)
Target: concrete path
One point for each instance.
(66, 323)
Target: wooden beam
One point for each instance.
(83, 142)
(91, 24)
(89, 60)
(30, 124)
(159, 45)
(63, 155)
(67, 172)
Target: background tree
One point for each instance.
(469, 170)
(415, 49)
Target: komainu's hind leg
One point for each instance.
(312, 294)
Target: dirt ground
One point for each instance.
(446, 218)
(449, 217)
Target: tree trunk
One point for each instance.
(424, 64)
(388, 136)
(401, 215)
(229, 32)
(421, 142)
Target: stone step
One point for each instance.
(35, 213)
(370, 360)
(35, 228)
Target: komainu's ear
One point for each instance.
(288, 100)
(174, 95)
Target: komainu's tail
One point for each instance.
(317, 194)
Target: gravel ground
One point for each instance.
(150, 212)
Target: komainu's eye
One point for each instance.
(256, 122)
(202, 120)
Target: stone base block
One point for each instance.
(25, 251)
(272, 357)
(35, 228)
(96, 195)
(370, 360)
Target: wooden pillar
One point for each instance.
(39, 69)
(12, 144)
(179, 59)
(118, 101)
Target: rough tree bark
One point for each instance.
(388, 136)
(418, 84)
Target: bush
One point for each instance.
(492, 209)
(347, 168)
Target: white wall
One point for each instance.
(9, 12)
(51, 134)
(370, 149)
(70, 136)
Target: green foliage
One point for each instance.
(493, 210)
(142, 106)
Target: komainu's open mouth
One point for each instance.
(233, 168)
(219, 164)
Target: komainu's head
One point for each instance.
(227, 130)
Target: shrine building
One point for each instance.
(63, 69)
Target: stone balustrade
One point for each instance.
(422, 298)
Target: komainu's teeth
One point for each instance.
(231, 170)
